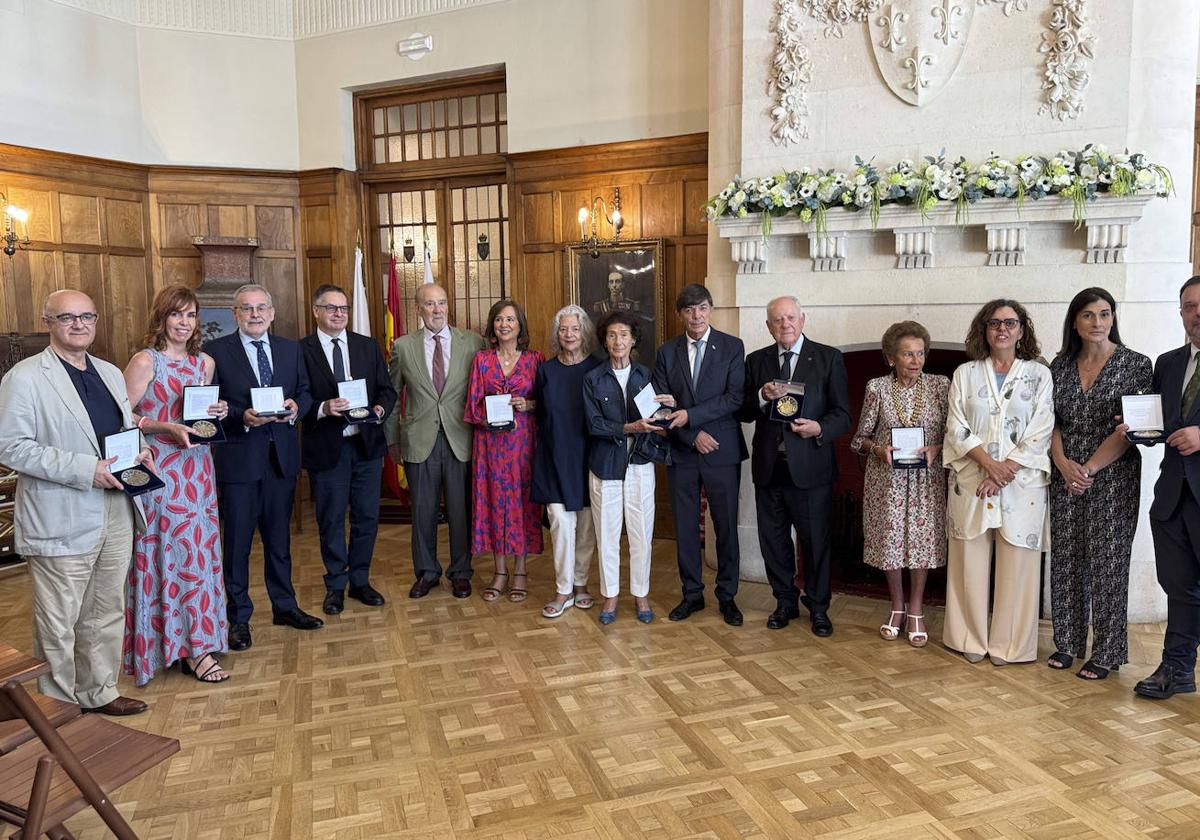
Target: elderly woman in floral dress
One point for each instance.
(904, 510)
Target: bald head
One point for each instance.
(433, 305)
(76, 335)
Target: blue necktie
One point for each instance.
(264, 365)
(339, 366)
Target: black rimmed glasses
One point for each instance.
(333, 309)
(1007, 323)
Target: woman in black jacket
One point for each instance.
(624, 448)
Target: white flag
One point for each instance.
(428, 267)
(362, 316)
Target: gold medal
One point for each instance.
(135, 478)
(786, 406)
(359, 413)
(203, 429)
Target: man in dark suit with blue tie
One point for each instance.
(704, 370)
(792, 466)
(1174, 513)
(344, 460)
(258, 465)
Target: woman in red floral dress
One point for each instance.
(175, 595)
(506, 522)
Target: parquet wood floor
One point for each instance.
(459, 719)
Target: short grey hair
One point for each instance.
(795, 300)
(586, 327)
(253, 287)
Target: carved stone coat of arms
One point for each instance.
(918, 45)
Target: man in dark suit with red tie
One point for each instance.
(704, 370)
(258, 464)
(792, 465)
(1175, 512)
(344, 460)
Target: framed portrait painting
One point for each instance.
(623, 276)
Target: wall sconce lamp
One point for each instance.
(14, 216)
(600, 210)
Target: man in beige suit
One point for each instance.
(74, 525)
(429, 369)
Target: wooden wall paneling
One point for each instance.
(695, 194)
(695, 262)
(542, 271)
(79, 217)
(661, 206)
(185, 270)
(275, 227)
(278, 275)
(85, 272)
(179, 223)
(125, 223)
(228, 220)
(537, 212)
(127, 304)
(39, 204)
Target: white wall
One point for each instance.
(578, 72)
(1142, 96)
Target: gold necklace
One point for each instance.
(918, 401)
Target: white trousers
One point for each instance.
(574, 538)
(79, 611)
(1012, 633)
(630, 502)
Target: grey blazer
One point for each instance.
(47, 437)
(424, 411)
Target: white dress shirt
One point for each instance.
(444, 333)
(252, 352)
(691, 348)
(344, 351)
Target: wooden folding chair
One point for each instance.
(44, 782)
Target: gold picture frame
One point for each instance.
(640, 290)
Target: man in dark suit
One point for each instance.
(258, 465)
(792, 464)
(1174, 513)
(704, 370)
(344, 460)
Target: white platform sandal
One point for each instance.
(890, 631)
(917, 638)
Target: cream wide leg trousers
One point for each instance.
(630, 502)
(574, 538)
(79, 611)
(1012, 634)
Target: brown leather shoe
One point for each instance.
(422, 586)
(120, 707)
(460, 587)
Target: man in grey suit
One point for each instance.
(429, 369)
(74, 525)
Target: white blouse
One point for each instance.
(1014, 422)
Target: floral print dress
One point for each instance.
(904, 511)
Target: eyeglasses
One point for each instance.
(1007, 323)
(333, 310)
(68, 318)
(261, 309)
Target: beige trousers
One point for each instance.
(1012, 635)
(574, 538)
(79, 611)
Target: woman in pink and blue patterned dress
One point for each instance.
(505, 521)
(175, 595)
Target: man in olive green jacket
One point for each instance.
(429, 369)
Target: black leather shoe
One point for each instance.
(335, 601)
(239, 636)
(731, 613)
(367, 594)
(422, 586)
(297, 618)
(460, 587)
(821, 625)
(780, 618)
(1166, 681)
(685, 608)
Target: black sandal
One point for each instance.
(202, 675)
(1099, 671)
(1059, 661)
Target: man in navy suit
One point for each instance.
(704, 370)
(344, 460)
(793, 467)
(258, 465)
(1174, 513)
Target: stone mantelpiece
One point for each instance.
(1105, 240)
(226, 263)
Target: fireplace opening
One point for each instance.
(850, 575)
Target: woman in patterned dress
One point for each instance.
(505, 521)
(1095, 488)
(175, 593)
(904, 510)
(997, 447)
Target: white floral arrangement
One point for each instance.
(810, 193)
